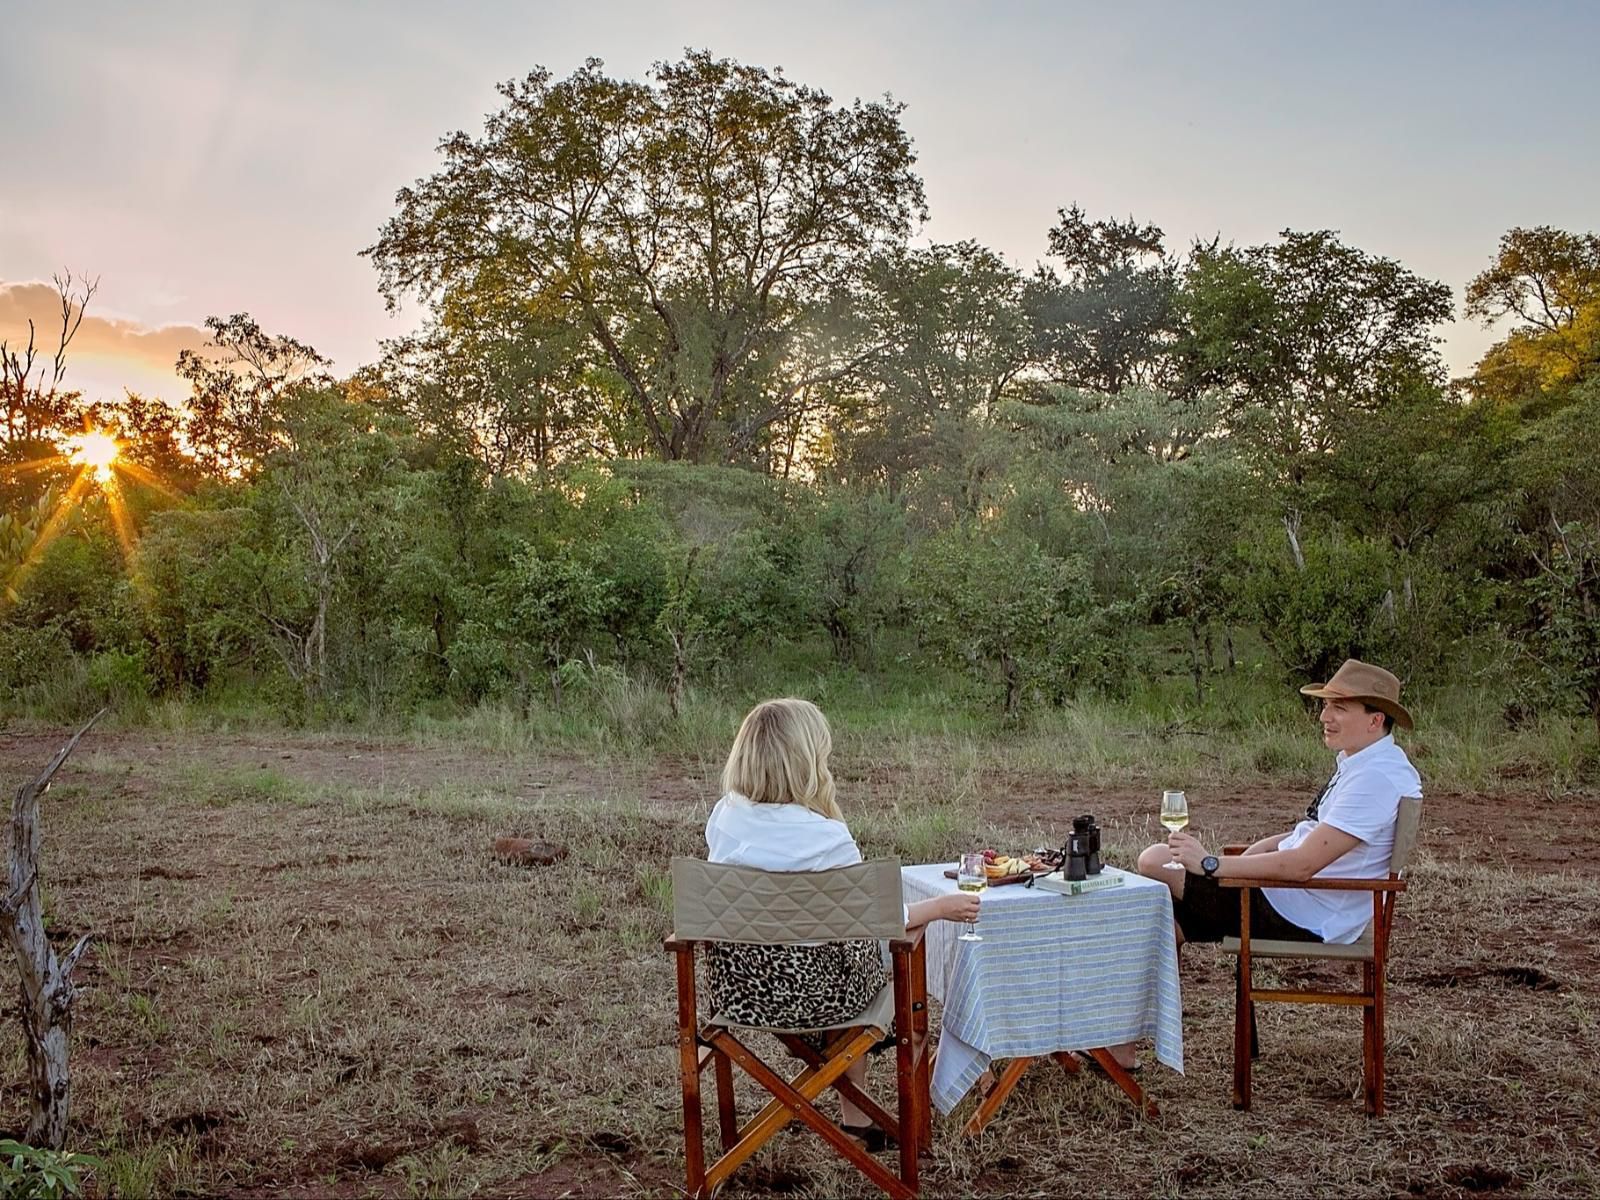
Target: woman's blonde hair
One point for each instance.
(780, 756)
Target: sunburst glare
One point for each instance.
(97, 450)
(100, 470)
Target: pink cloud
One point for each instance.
(107, 354)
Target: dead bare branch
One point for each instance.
(46, 989)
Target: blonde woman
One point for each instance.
(778, 813)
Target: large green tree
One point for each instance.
(1547, 281)
(325, 500)
(1304, 333)
(951, 338)
(1000, 609)
(692, 225)
(1109, 321)
(512, 387)
(238, 384)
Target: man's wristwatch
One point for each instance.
(1209, 865)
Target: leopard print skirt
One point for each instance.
(794, 987)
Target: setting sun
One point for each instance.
(97, 450)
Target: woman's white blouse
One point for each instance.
(777, 837)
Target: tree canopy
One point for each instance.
(693, 226)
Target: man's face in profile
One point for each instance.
(1348, 726)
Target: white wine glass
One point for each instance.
(971, 877)
(1175, 816)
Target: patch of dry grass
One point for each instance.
(308, 987)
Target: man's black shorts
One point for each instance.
(1209, 912)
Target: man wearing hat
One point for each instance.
(1348, 830)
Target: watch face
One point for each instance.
(1209, 863)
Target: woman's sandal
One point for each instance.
(870, 1138)
(1093, 1064)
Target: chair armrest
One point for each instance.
(911, 940)
(673, 943)
(1234, 848)
(1320, 885)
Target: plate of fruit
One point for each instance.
(1002, 869)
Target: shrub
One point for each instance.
(1317, 616)
(119, 677)
(34, 1173)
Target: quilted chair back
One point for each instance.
(1406, 824)
(719, 903)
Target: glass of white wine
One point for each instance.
(971, 877)
(1174, 815)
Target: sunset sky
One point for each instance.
(210, 159)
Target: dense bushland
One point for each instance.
(721, 409)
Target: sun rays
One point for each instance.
(33, 466)
(97, 450)
(101, 471)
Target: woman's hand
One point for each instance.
(956, 906)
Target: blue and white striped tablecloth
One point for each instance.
(1052, 973)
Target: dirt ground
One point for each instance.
(308, 982)
(1524, 828)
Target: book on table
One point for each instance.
(1109, 877)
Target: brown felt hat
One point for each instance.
(1357, 680)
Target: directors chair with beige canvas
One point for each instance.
(719, 903)
(1370, 952)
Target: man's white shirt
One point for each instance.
(1363, 800)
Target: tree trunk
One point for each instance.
(1194, 662)
(1227, 642)
(1291, 526)
(839, 635)
(1013, 685)
(46, 992)
(680, 674)
(317, 643)
(525, 689)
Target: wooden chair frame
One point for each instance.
(1373, 957)
(720, 1047)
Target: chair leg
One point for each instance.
(727, 1119)
(1372, 1040)
(694, 1152)
(798, 1104)
(811, 1083)
(924, 1067)
(1255, 1037)
(1243, 1020)
(861, 1099)
(905, 1069)
(911, 1120)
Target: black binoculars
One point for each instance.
(1080, 858)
